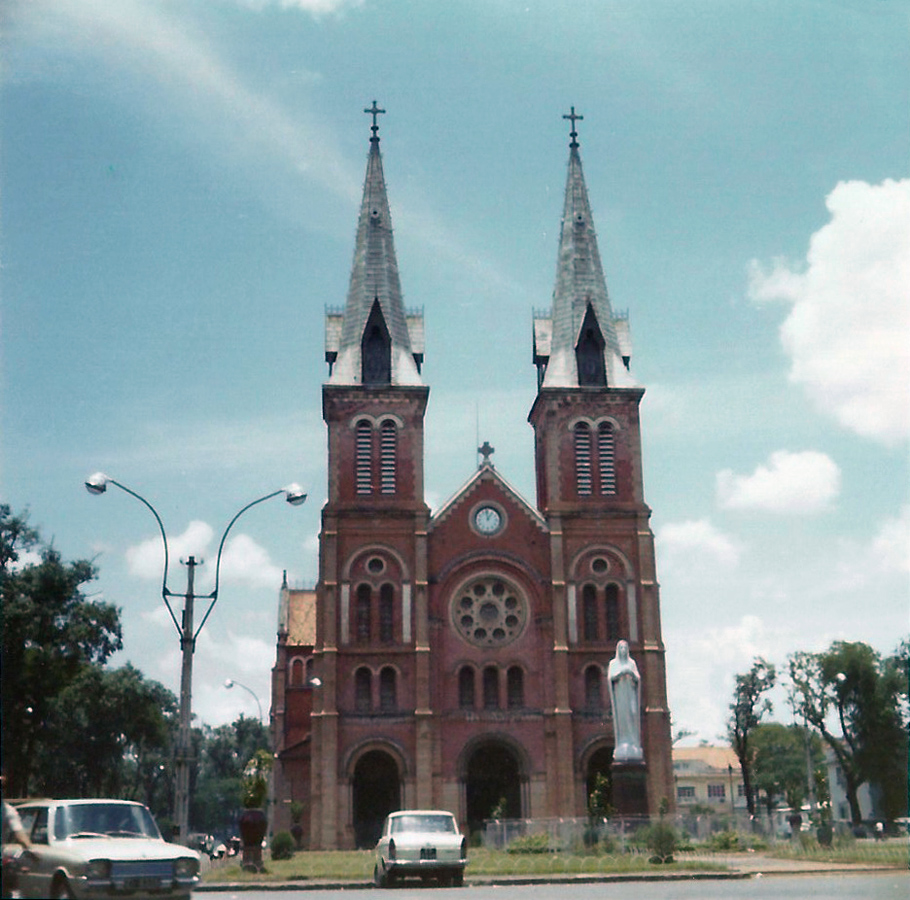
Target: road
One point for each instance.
(890, 885)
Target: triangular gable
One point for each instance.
(486, 474)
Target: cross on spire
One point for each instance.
(573, 133)
(375, 111)
(486, 451)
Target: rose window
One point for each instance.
(489, 612)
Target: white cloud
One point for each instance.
(804, 482)
(891, 547)
(243, 560)
(693, 541)
(314, 7)
(848, 331)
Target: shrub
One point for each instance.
(282, 845)
(661, 842)
(530, 843)
(724, 840)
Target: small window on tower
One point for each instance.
(583, 459)
(363, 457)
(605, 460)
(388, 446)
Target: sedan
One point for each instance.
(101, 849)
(423, 843)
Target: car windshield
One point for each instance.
(110, 819)
(439, 823)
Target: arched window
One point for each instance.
(363, 613)
(363, 690)
(386, 614)
(589, 612)
(491, 688)
(296, 679)
(589, 352)
(376, 349)
(363, 457)
(583, 459)
(310, 665)
(593, 696)
(466, 688)
(515, 687)
(388, 447)
(388, 701)
(612, 608)
(605, 460)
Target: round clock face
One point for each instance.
(488, 520)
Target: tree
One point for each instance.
(746, 712)
(867, 698)
(779, 763)
(49, 631)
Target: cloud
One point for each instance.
(243, 560)
(795, 483)
(891, 547)
(314, 7)
(848, 330)
(693, 540)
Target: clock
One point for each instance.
(487, 520)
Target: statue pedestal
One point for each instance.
(630, 788)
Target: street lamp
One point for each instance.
(230, 683)
(97, 484)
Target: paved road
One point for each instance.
(890, 885)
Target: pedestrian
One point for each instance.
(13, 832)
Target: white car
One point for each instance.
(101, 849)
(423, 843)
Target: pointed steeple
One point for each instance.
(371, 341)
(580, 342)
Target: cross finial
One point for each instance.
(573, 133)
(486, 451)
(375, 111)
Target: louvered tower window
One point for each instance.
(605, 458)
(388, 446)
(583, 459)
(363, 458)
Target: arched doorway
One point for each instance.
(492, 784)
(376, 792)
(599, 782)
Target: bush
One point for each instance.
(282, 845)
(724, 840)
(530, 843)
(661, 842)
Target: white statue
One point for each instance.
(624, 685)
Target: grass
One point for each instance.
(357, 865)
(893, 852)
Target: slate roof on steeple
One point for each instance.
(580, 284)
(374, 279)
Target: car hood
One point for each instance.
(125, 848)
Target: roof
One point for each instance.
(580, 286)
(704, 759)
(374, 280)
(297, 616)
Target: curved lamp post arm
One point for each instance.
(293, 494)
(97, 484)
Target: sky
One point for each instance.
(179, 187)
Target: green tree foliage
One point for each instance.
(779, 764)
(70, 726)
(49, 631)
(850, 684)
(746, 713)
(223, 753)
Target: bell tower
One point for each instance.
(590, 490)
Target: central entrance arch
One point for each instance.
(376, 790)
(493, 780)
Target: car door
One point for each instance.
(35, 882)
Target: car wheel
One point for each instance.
(61, 890)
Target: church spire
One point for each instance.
(580, 343)
(371, 341)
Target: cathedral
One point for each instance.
(461, 658)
